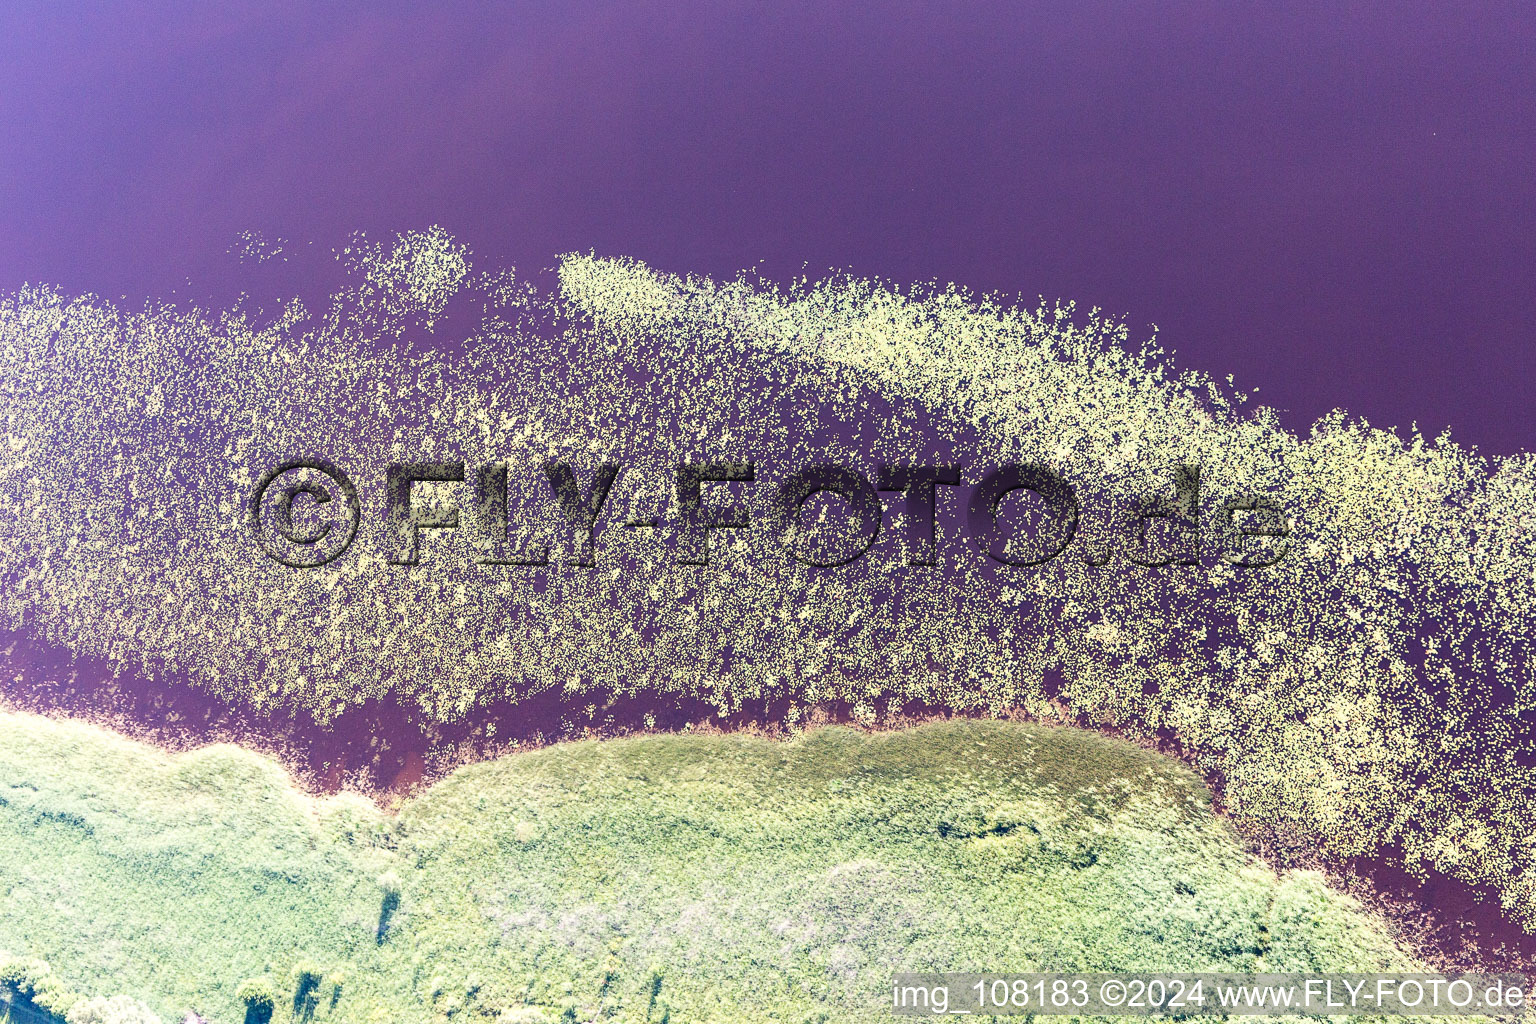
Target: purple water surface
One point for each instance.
(1332, 201)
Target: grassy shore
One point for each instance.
(667, 878)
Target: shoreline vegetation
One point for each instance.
(392, 757)
(692, 878)
(1369, 700)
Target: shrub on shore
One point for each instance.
(260, 998)
(34, 982)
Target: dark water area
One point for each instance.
(1332, 203)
